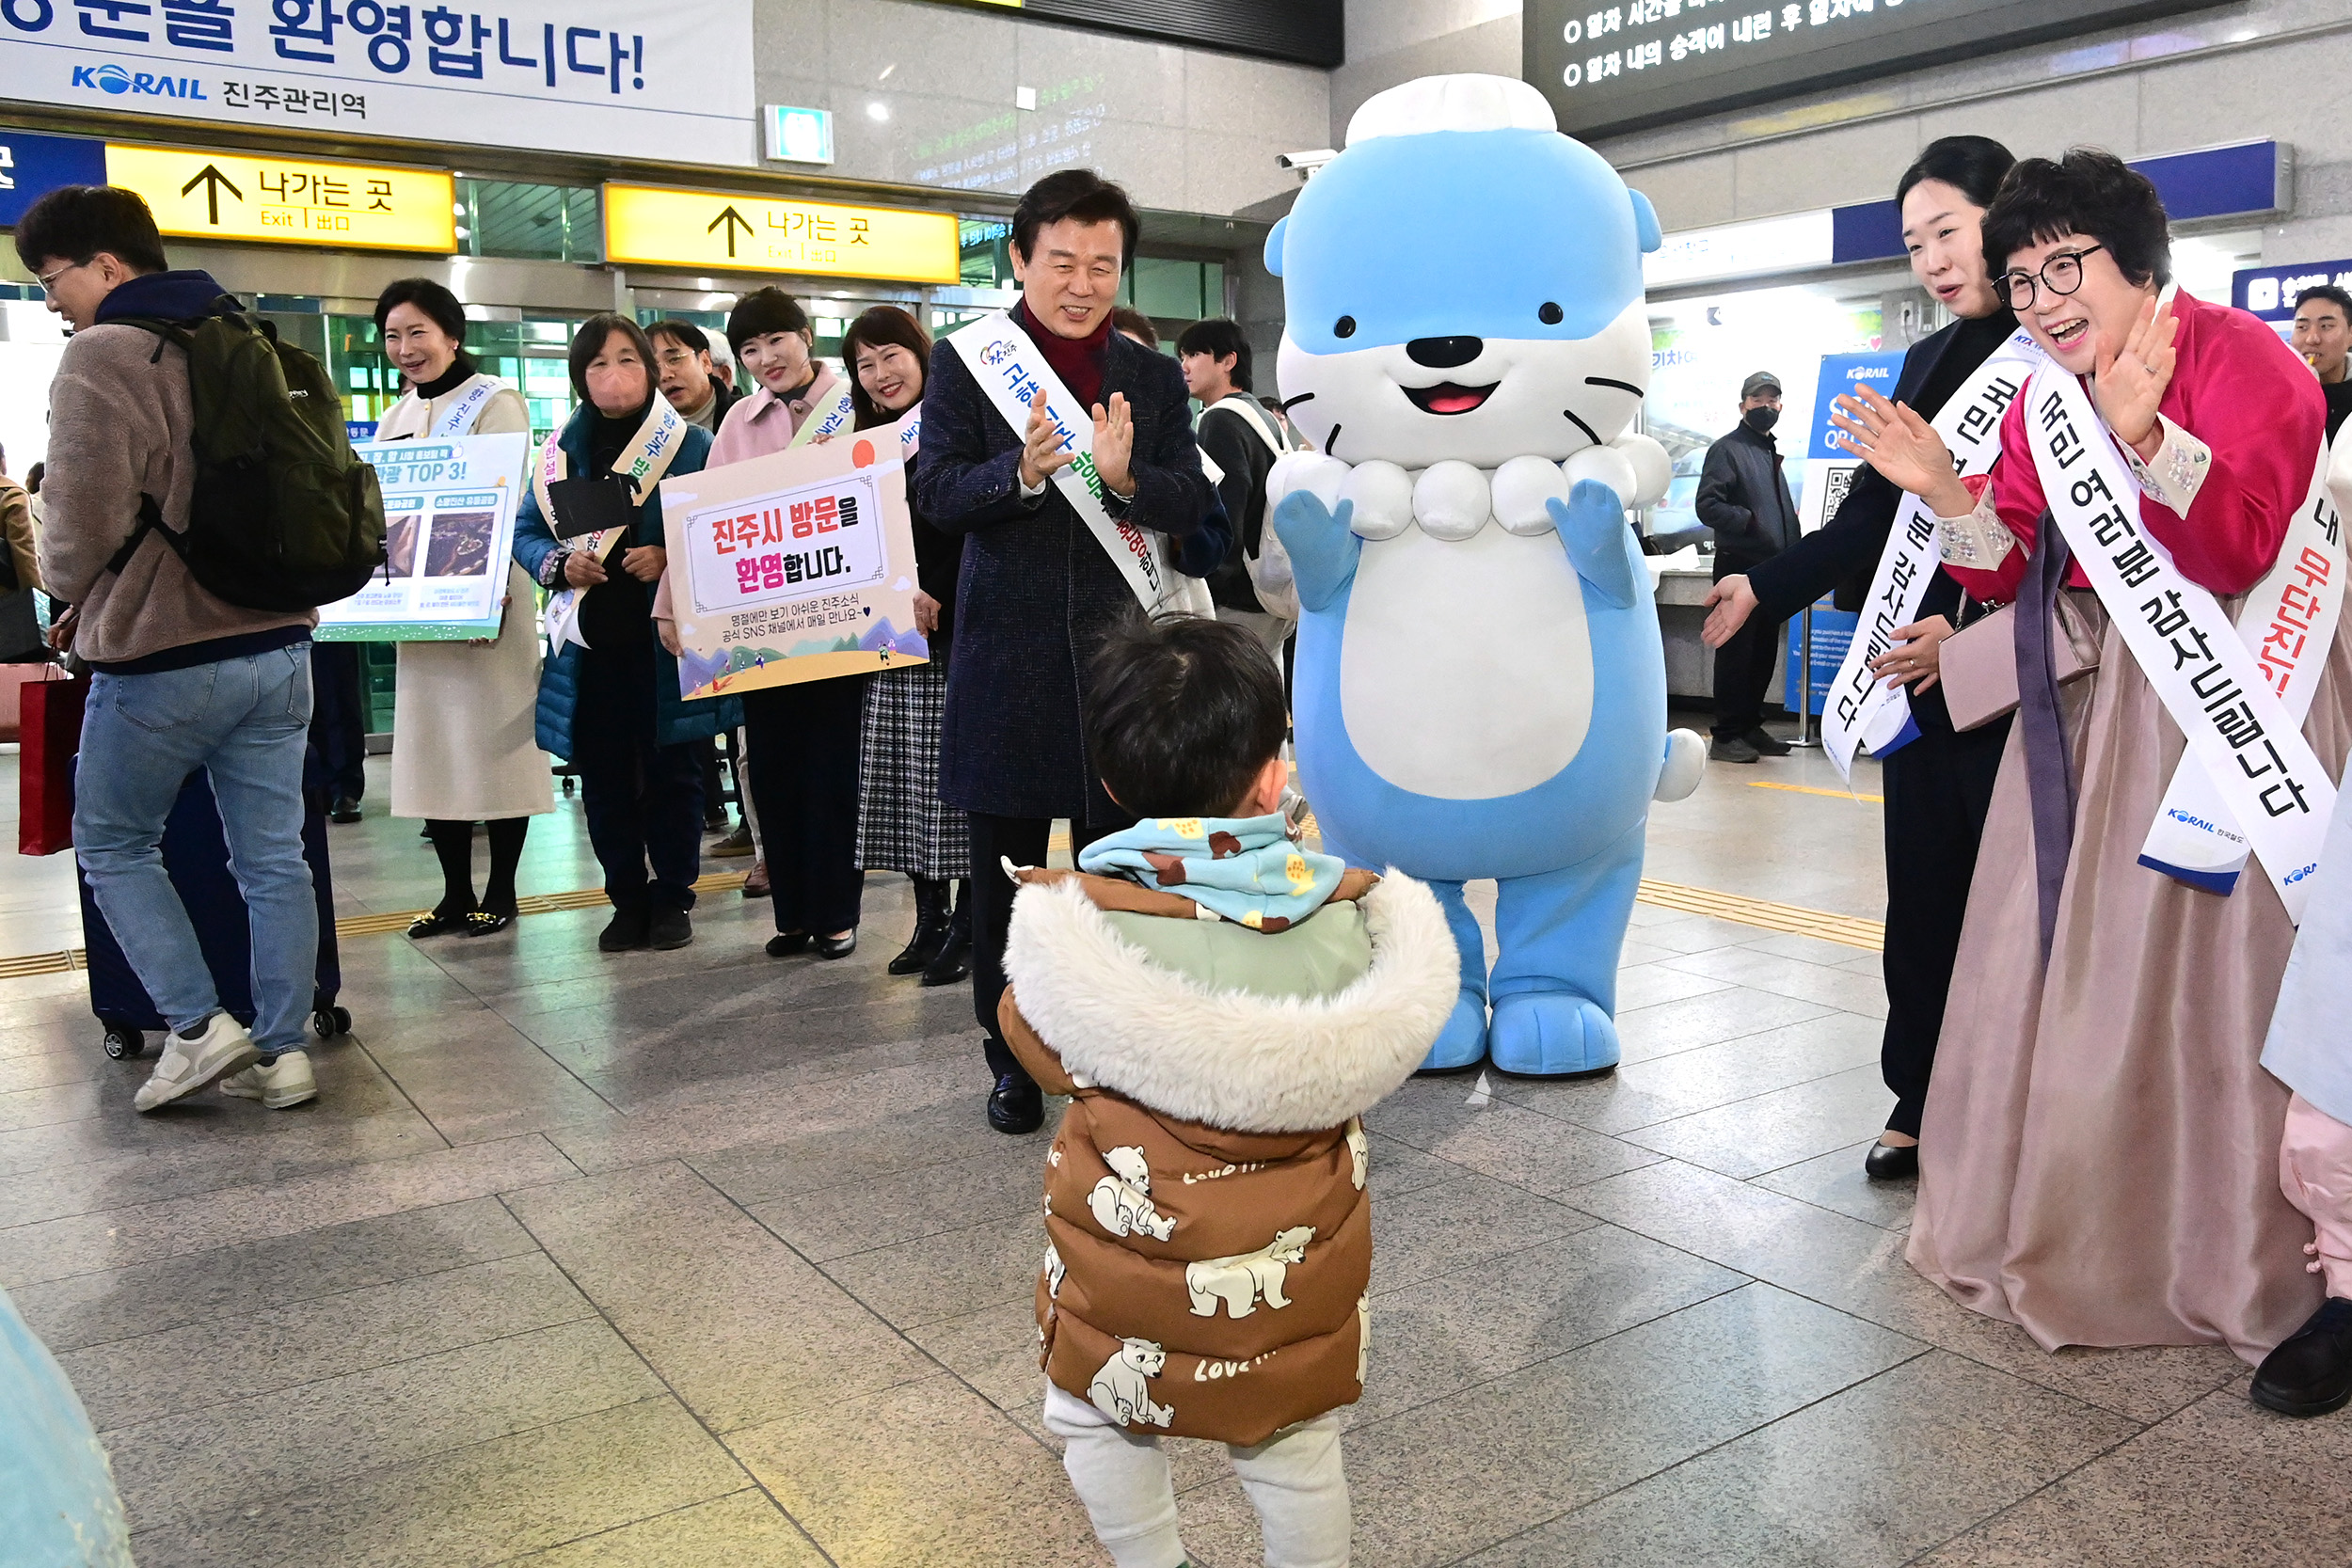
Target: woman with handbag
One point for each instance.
(463, 748)
(902, 825)
(1938, 784)
(590, 528)
(2100, 1158)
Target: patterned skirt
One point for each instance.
(902, 825)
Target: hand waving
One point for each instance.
(1115, 444)
(1901, 446)
(2130, 381)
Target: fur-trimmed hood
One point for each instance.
(1245, 1063)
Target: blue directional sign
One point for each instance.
(32, 165)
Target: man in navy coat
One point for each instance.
(1037, 587)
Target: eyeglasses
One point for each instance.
(48, 283)
(2062, 274)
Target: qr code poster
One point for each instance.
(798, 566)
(1826, 482)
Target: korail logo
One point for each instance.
(115, 81)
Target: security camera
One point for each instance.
(1307, 163)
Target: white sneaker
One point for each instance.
(187, 1065)
(287, 1081)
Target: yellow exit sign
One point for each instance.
(289, 200)
(718, 232)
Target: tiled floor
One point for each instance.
(707, 1258)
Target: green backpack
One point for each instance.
(285, 517)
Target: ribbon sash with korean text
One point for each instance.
(1863, 710)
(2210, 682)
(2288, 622)
(1010, 370)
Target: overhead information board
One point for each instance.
(288, 199)
(1635, 63)
(724, 231)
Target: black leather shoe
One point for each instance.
(344, 810)
(1889, 1162)
(2311, 1372)
(1766, 742)
(669, 929)
(953, 961)
(627, 930)
(1017, 1105)
(435, 924)
(483, 923)
(784, 944)
(1732, 749)
(835, 947)
(931, 929)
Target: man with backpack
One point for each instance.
(1242, 440)
(196, 510)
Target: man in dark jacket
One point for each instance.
(1037, 586)
(1745, 498)
(681, 353)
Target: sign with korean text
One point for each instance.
(449, 531)
(797, 566)
(596, 76)
(721, 231)
(285, 199)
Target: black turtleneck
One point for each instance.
(461, 369)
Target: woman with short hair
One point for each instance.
(803, 754)
(609, 697)
(2100, 1161)
(463, 746)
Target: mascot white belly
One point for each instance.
(1480, 690)
(1427, 704)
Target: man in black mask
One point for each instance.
(1743, 496)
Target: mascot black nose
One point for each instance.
(1440, 352)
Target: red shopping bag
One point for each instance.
(51, 734)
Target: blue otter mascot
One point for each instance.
(1480, 686)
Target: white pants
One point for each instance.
(1272, 631)
(1295, 1480)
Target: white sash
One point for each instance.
(1009, 369)
(1861, 709)
(2213, 687)
(643, 462)
(831, 419)
(2288, 622)
(458, 417)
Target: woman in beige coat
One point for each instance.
(463, 750)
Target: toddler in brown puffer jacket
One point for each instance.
(1222, 1006)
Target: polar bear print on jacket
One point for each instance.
(1238, 1281)
(1358, 1151)
(1055, 1269)
(1121, 1201)
(1363, 1339)
(1122, 1389)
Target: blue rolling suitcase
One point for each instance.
(196, 854)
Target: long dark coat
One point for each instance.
(1036, 589)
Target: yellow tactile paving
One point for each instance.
(1851, 930)
(1813, 790)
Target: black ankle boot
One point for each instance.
(2310, 1373)
(931, 927)
(953, 961)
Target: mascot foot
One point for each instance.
(1552, 1034)
(1462, 1043)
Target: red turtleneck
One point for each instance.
(1078, 360)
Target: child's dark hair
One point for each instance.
(1182, 715)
